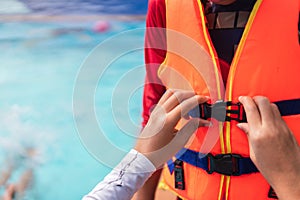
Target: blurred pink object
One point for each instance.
(101, 26)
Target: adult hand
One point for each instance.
(273, 148)
(159, 140)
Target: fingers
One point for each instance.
(176, 98)
(252, 112)
(244, 127)
(190, 127)
(265, 109)
(260, 112)
(170, 143)
(183, 108)
(275, 110)
(182, 136)
(166, 96)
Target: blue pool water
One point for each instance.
(39, 66)
(66, 7)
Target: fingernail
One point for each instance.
(240, 98)
(239, 125)
(208, 124)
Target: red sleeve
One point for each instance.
(155, 52)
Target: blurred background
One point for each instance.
(43, 45)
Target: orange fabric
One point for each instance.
(181, 42)
(267, 63)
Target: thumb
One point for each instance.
(244, 127)
(163, 154)
(183, 135)
(188, 129)
(178, 142)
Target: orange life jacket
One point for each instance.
(266, 62)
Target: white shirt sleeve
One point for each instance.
(125, 179)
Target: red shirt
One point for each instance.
(154, 88)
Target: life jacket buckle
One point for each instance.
(221, 111)
(226, 164)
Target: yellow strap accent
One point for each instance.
(234, 66)
(221, 138)
(211, 51)
(227, 187)
(232, 73)
(221, 187)
(228, 143)
(241, 46)
(163, 186)
(213, 56)
(223, 151)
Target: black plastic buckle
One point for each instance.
(226, 164)
(221, 112)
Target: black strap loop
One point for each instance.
(226, 164)
(220, 111)
(228, 111)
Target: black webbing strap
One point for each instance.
(289, 107)
(227, 111)
(226, 164)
